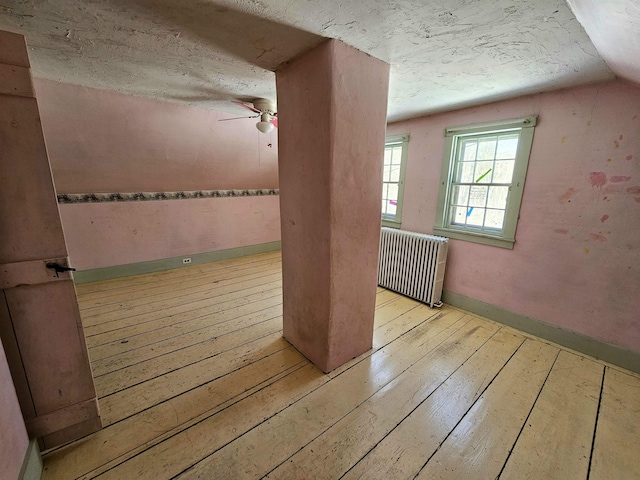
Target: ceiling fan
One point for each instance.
(265, 110)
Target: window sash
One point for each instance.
(459, 162)
(454, 137)
(392, 142)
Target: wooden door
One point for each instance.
(39, 318)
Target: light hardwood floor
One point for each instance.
(196, 381)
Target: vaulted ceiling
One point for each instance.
(444, 54)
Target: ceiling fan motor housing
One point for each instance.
(265, 106)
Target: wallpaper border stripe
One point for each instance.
(149, 196)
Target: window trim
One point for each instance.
(506, 239)
(395, 221)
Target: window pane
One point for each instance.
(395, 173)
(469, 149)
(392, 192)
(475, 216)
(391, 177)
(397, 155)
(460, 195)
(507, 146)
(391, 208)
(465, 172)
(503, 171)
(477, 196)
(484, 172)
(498, 197)
(487, 148)
(494, 219)
(458, 215)
(386, 173)
(387, 156)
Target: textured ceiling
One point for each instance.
(443, 54)
(614, 28)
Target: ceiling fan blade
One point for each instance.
(237, 118)
(274, 121)
(255, 110)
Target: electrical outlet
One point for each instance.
(186, 260)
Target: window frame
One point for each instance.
(395, 221)
(505, 238)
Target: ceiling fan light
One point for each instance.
(264, 127)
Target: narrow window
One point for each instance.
(395, 160)
(483, 172)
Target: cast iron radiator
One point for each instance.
(413, 264)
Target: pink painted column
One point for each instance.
(332, 104)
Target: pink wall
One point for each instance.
(576, 261)
(106, 234)
(13, 435)
(101, 141)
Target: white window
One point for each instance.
(395, 161)
(483, 172)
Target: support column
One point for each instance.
(332, 105)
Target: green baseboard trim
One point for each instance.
(575, 341)
(117, 271)
(32, 464)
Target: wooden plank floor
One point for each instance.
(196, 381)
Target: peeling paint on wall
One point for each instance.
(619, 178)
(566, 196)
(597, 237)
(598, 179)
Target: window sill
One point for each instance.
(391, 223)
(474, 237)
